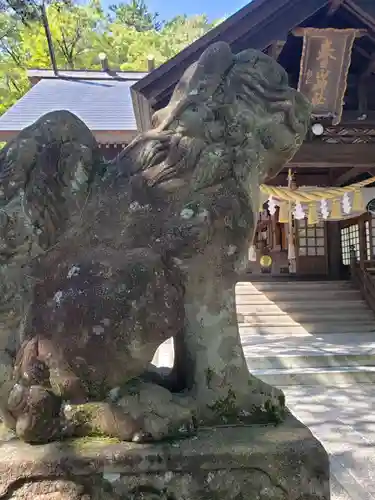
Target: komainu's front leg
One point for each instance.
(34, 408)
(37, 413)
(48, 402)
(32, 405)
(41, 417)
(219, 379)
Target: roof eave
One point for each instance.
(102, 136)
(366, 18)
(36, 74)
(257, 13)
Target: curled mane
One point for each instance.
(230, 115)
(42, 178)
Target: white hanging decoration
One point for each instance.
(346, 204)
(271, 205)
(252, 255)
(324, 209)
(299, 212)
(291, 251)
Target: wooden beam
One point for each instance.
(347, 176)
(142, 110)
(334, 6)
(299, 32)
(275, 49)
(150, 63)
(369, 68)
(316, 154)
(361, 51)
(352, 7)
(302, 179)
(362, 93)
(255, 26)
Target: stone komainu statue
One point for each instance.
(101, 263)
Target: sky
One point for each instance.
(214, 9)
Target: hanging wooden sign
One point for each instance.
(325, 61)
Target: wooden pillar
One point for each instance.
(362, 240)
(334, 249)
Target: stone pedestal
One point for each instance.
(229, 463)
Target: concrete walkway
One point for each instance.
(343, 419)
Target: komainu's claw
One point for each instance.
(36, 411)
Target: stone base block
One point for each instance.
(226, 463)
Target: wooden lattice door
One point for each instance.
(311, 248)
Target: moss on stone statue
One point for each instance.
(282, 400)
(5, 432)
(225, 408)
(85, 443)
(83, 417)
(275, 414)
(209, 375)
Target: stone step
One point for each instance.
(301, 362)
(307, 328)
(256, 297)
(269, 307)
(324, 351)
(263, 286)
(284, 287)
(306, 333)
(338, 492)
(328, 315)
(331, 376)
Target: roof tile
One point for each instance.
(102, 105)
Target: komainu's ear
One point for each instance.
(199, 81)
(203, 77)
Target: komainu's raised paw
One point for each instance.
(37, 413)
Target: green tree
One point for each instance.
(75, 32)
(28, 10)
(13, 81)
(182, 30)
(75, 29)
(128, 48)
(135, 14)
(79, 33)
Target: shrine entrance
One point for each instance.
(311, 248)
(271, 239)
(356, 235)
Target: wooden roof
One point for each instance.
(257, 25)
(101, 100)
(262, 24)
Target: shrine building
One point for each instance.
(307, 227)
(101, 99)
